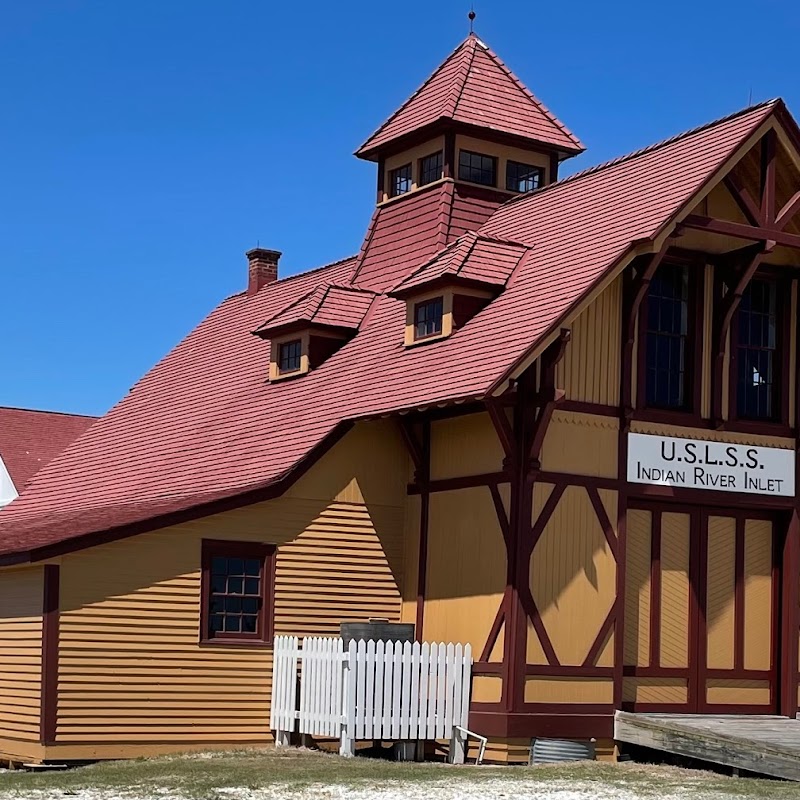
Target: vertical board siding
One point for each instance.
(132, 671)
(589, 371)
(674, 590)
(757, 594)
(721, 591)
(581, 444)
(466, 445)
(21, 594)
(573, 577)
(637, 589)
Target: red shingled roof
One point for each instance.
(411, 229)
(474, 87)
(328, 305)
(195, 432)
(472, 258)
(30, 439)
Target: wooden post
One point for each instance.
(347, 745)
(458, 746)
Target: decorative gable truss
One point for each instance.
(307, 332)
(463, 278)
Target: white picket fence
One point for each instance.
(393, 691)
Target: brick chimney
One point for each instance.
(262, 268)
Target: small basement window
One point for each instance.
(289, 354)
(400, 180)
(237, 589)
(428, 318)
(477, 168)
(430, 169)
(523, 177)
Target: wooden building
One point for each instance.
(557, 420)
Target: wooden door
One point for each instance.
(700, 611)
(737, 654)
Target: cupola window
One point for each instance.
(477, 168)
(523, 177)
(400, 180)
(289, 355)
(428, 318)
(430, 168)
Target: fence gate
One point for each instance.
(394, 691)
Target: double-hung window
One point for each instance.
(756, 339)
(667, 338)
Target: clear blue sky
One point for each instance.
(147, 144)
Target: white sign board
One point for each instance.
(695, 464)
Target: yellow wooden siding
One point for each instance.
(637, 590)
(21, 592)
(131, 670)
(581, 444)
(655, 690)
(466, 567)
(720, 592)
(466, 445)
(569, 690)
(729, 692)
(589, 371)
(573, 576)
(757, 593)
(674, 590)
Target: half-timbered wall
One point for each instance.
(21, 592)
(132, 676)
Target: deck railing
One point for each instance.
(392, 691)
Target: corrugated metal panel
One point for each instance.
(554, 751)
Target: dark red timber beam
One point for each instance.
(50, 636)
(420, 452)
(737, 271)
(636, 285)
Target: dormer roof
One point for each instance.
(328, 305)
(474, 88)
(471, 260)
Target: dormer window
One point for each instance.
(289, 356)
(430, 168)
(523, 177)
(400, 180)
(477, 168)
(428, 318)
(308, 331)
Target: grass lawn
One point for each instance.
(271, 775)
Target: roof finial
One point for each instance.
(471, 16)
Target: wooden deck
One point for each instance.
(766, 745)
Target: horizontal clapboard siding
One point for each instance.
(20, 653)
(131, 670)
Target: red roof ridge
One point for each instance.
(46, 411)
(532, 97)
(472, 40)
(642, 151)
(414, 94)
